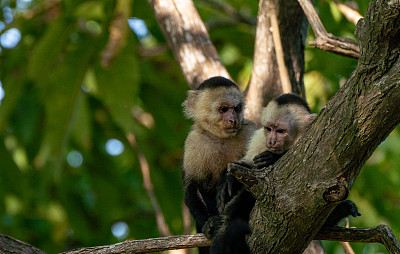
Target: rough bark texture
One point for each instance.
(265, 81)
(188, 38)
(380, 234)
(297, 194)
(9, 245)
(325, 40)
(148, 245)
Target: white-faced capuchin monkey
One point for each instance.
(284, 120)
(219, 136)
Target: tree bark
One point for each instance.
(188, 38)
(297, 194)
(265, 82)
(9, 245)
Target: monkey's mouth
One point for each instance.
(232, 130)
(275, 149)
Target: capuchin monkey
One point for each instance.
(284, 121)
(219, 136)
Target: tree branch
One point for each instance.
(235, 15)
(351, 15)
(189, 40)
(162, 226)
(9, 245)
(381, 234)
(265, 82)
(148, 245)
(326, 41)
(283, 72)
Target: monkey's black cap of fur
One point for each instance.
(289, 98)
(216, 82)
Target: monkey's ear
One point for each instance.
(310, 118)
(189, 104)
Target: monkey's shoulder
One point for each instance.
(256, 145)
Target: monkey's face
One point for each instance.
(280, 133)
(222, 113)
(230, 118)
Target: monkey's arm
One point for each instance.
(196, 207)
(227, 188)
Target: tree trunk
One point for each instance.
(265, 82)
(297, 194)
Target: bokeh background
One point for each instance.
(91, 124)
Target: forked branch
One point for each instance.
(326, 41)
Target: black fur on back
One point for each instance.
(232, 239)
(289, 98)
(216, 82)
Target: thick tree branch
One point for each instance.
(303, 184)
(188, 38)
(265, 82)
(148, 245)
(283, 72)
(380, 234)
(325, 40)
(9, 245)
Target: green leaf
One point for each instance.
(118, 87)
(46, 54)
(62, 92)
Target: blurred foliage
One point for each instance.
(60, 185)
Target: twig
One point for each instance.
(283, 72)
(230, 11)
(148, 186)
(326, 41)
(346, 245)
(118, 32)
(351, 15)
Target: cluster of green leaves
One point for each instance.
(60, 188)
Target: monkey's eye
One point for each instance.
(223, 109)
(281, 131)
(238, 108)
(267, 129)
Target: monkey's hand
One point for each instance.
(228, 187)
(212, 225)
(341, 211)
(266, 159)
